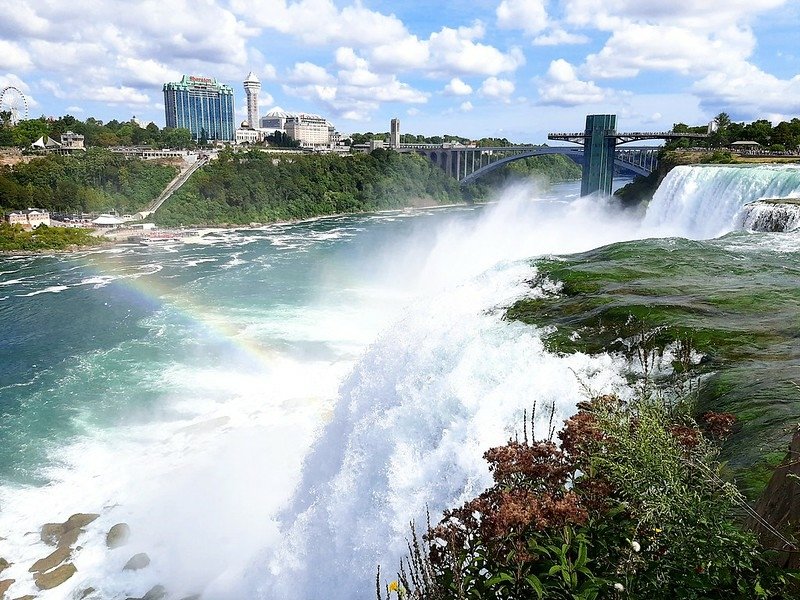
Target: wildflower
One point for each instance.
(394, 586)
(636, 546)
(619, 587)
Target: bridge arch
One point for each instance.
(574, 153)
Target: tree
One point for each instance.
(722, 121)
(178, 138)
(281, 139)
(203, 141)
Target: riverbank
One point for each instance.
(99, 239)
(14, 240)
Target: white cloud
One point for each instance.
(118, 95)
(14, 80)
(636, 47)
(74, 109)
(347, 59)
(145, 73)
(268, 72)
(13, 56)
(561, 87)
(497, 88)
(457, 87)
(709, 42)
(406, 53)
(308, 73)
(466, 106)
(320, 22)
(750, 91)
(120, 52)
(559, 37)
(528, 15)
(455, 51)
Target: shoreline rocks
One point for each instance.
(66, 533)
(136, 562)
(118, 535)
(52, 560)
(54, 578)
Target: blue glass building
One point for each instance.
(198, 104)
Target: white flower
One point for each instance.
(636, 547)
(619, 587)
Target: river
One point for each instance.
(268, 409)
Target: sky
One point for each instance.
(478, 68)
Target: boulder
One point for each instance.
(28, 597)
(66, 533)
(54, 578)
(4, 564)
(69, 537)
(4, 585)
(136, 562)
(51, 561)
(157, 592)
(51, 533)
(84, 594)
(118, 535)
(779, 508)
(79, 520)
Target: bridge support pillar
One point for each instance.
(598, 154)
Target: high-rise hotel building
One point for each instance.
(201, 104)
(252, 86)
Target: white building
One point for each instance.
(29, 219)
(72, 141)
(312, 131)
(252, 86)
(247, 135)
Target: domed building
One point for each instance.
(312, 131)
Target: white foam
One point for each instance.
(53, 289)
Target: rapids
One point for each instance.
(269, 409)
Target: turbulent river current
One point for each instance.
(269, 409)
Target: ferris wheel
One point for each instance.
(13, 101)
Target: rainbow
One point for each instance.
(108, 267)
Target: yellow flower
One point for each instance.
(394, 586)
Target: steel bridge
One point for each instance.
(468, 163)
(599, 154)
(600, 140)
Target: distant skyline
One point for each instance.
(510, 68)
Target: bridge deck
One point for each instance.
(624, 138)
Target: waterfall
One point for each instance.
(771, 215)
(704, 201)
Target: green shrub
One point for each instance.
(630, 505)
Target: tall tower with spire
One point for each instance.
(251, 87)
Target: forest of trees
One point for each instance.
(259, 187)
(95, 132)
(783, 137)
(410, 138)
(549, 168)
(93, 181)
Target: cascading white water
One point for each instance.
(439, 388)
(704, 201)
(770, 216)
